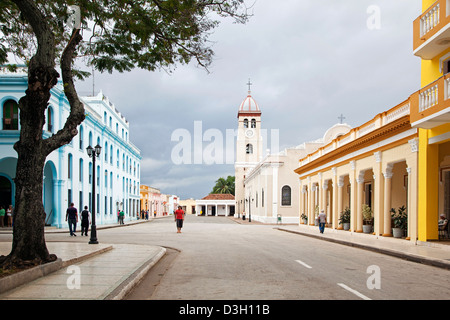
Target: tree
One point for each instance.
(122, 35)
(224, 186)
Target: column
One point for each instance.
(340, 185)
(387, 201)
(359, 202)
(324, 200)
(378, 203)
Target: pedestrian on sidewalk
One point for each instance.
(72, 219)
(322, 221)
(179, 218)
(121, 215)
(9, 214)
(85, 220)
(2, 216)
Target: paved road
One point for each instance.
(216, 258)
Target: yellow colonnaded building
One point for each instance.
(398, 159)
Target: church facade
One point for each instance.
(267, 189)
(68, 170)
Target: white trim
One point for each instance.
(363, 150)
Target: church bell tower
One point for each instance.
(248, 146)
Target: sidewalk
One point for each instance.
(435, 253)
(82, 271)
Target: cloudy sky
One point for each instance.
(309, 61)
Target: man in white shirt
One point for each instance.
(322, 221)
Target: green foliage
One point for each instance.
(224, 186)
(400, 217)
(124, 34)
(345, 216)
(367, 214)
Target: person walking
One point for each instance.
(9, 215)
(72, 219)
(85, 220)
(179, 218)
(2, 216)
(121, 215)
(322, 221)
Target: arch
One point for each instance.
(81, 133)
(253, 124)
(249, 149)
(50, 118)
(286, 196)
(245, 123)
(10, 115)
(49, 191)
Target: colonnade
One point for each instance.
(382, 181)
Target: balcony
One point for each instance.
(432, 30)
(430, 106)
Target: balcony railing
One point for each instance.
(430, 106)
(431, 30)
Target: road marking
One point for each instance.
(304, 264)
(354, 291)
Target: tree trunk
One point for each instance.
(28, 245)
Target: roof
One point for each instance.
(249, 105)
(219, 197)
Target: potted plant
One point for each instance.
(367, 218)
(304, 218)
(400, 220)
(345, 219)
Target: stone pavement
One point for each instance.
(435, 253)
(83, 271)
(107, 272)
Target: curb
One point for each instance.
(398, 254)
(26, 276)
(127, 285)
(23, 277)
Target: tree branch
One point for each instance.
(76, 116)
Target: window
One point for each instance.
(81, 170)
(286, 196)
(253, 123)
(69, 167)
(81, 138)
(245, 123)
(249, 149)
(90, 173)
(262, 198)
(10, 115)
(49, 119)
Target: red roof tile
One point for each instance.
(219, 197)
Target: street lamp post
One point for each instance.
(93, 153)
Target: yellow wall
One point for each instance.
(428, 188)
(426, 4)
(428, 176)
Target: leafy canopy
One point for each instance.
(124, 34)
(224, 186)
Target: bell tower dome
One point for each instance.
(248, 145)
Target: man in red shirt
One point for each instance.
(179, 217)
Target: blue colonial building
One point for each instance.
(68, 171)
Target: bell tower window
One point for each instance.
(245, 123)
(253, 123)
(249, 149)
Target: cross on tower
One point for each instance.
(341, 118)
(249, 85)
